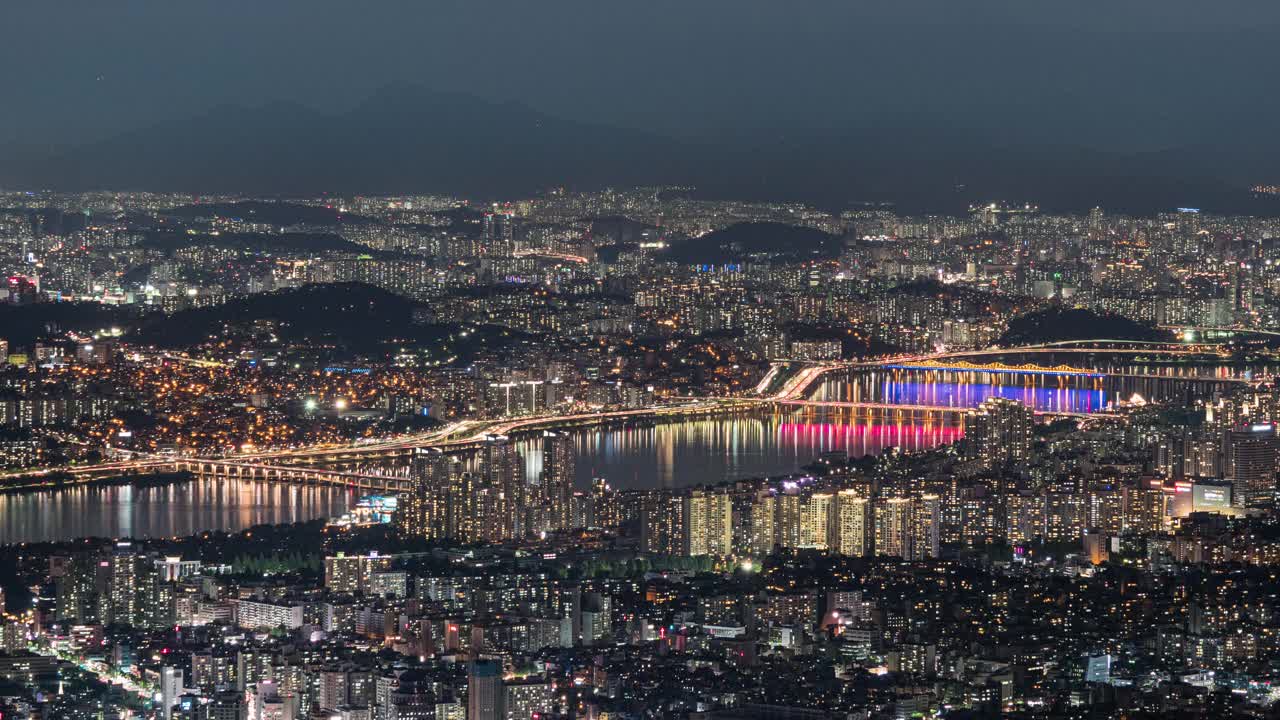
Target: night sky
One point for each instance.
(1126, 77)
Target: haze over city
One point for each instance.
(928, 104)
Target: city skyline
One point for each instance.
(639, 361)
(486, 436)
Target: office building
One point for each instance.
(485, 693)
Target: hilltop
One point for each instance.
(1057, 324)
(744, 242)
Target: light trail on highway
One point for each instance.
(284, 463)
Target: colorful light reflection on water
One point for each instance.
(180, 509)
(775, 443)
(741, 446)
(879, 387)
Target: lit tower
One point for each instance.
(999, 431)
(851, 524)
(498, 492)
(557, 479)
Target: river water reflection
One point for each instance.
(180, 509)
(642, 455)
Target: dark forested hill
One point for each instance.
(1054, 324)
(744, 241)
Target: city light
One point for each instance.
(638, 450)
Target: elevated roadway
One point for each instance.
(338, 464)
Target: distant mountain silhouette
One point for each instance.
(410, 140)
(397, 141)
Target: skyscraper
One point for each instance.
(926, 527)
(851, 524)
(483, 504)
(557, 480)
(76, 588)
(1144, 506)
(662, 524)
(484, 691)
(815, 519)
(708, 520)
(497, 232)
(909, 528)
(787, 519)
(122, 585)
(498, 491)
(999, 431)
(763, 529)
(428, 510)
(803, 518)
(892, 527)
(605, 512)
(1253, 462)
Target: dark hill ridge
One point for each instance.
(23, 325)
(961, 298)
(273, 213)
(1056, 324)
(256, 242)
(342, 315)
(337, 314)
(351, 319)
(744, 242)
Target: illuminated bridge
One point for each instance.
(213, 469)
(794, 380)
(341, 464)
(994, 368)
(345, 465)
(205, 468)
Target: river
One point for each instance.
(641, 455)
(178, 509)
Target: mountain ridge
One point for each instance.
(405, 139)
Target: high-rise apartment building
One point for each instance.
(763, 534)
(851, 526)
(662, 524)
(909, 528)
(483, 503)
(606, 511)
(999, 431)
(497, 491)
(815, 520)
(708, 520)
(556, 487)
(430, 508)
